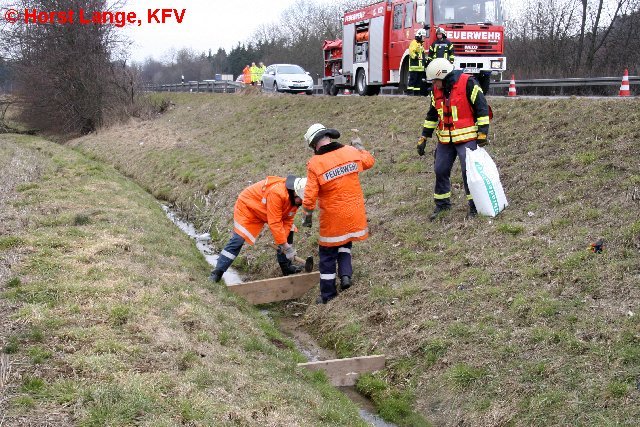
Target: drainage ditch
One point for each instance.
(290, 326)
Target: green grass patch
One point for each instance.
(38, 354)
(26, 187)
(81, 219)
(617, 389)
(32, 385)
(10, 242)
(14, 282)
(12, 346)
(434, 350)
(120, 314)
(513, 229)
(462, 376)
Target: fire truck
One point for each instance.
(374, 49)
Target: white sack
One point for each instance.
(484, 182)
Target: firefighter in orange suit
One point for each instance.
(459, 114)
(246, 75)
(273, 201)
(333, 182)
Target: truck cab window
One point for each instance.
(467, 11)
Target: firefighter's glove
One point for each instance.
(306, 222)
(422, 144)
(288, 250)
(356, 143)
(482, 139)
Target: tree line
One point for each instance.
(574, 38)
(296, 38)
(543, 39)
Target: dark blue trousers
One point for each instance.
(232, 249)
(445, 156)
(329, 256)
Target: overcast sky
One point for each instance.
(207, 24)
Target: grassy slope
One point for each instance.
(107, 316)
(503, 321)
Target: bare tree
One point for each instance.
(603, 16)
(69, 77)
(297, 37)
(556, 38)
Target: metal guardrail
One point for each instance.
(205, 86)
(497, 88)
(569, 82)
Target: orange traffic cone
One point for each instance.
(624, 87)
(512, 86)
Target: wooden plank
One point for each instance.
(276, 289)
(344, 372)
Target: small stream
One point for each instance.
(231, 276)
(288, 325)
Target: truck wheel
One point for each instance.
(333, 89)
(361, 83)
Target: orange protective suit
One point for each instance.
(265, 202)
(332, 180)
(246, 75)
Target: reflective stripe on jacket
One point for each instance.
(265, 202)
(460, 115)
(441, 49)
(332, 181)
(416, 56)
(457, 123)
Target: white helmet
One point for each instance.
(438, 69)
(316, 132)
(422, 33)
(299, 185)
(442, 31)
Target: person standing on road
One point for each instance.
(416, 63)
(333, 182)
(441, 47)
(246, 75)
(459, 114)
(273, 201)
(261, 70)
(254, 74)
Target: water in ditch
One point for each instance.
(288, 325)
(203, 243)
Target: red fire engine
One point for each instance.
(374, 49)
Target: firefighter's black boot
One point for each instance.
(216, 275)
(345, 283)
(288, 268)
(438, 211)
(473, 212)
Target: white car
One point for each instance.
(287, 78)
